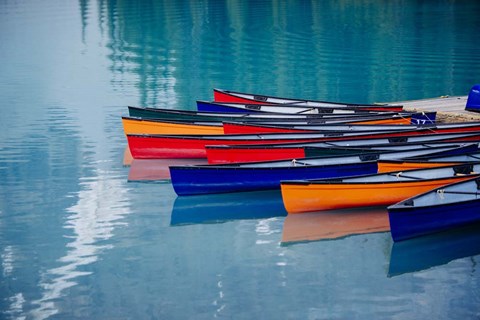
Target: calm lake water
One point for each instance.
(78, 241)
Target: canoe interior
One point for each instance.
(460, 192)
(403, 176)
(233, 96)
(305, 162)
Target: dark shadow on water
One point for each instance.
(219, 208)
(434, 250)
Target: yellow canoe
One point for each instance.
(143, 126)
(371, 190)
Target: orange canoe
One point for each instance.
(370, 190)
(143, 126)
(399, 165)
(430, 162)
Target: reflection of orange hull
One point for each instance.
(127, 157)
(387, 166)
(334, 224)
(303, 197)
(157, 169)
(140, 126)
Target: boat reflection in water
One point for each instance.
(216, 208)
(127, 157)
(333, 224)
(150, 170)
(425, 252)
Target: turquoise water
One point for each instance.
(78, 241)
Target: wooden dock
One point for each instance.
(449, 109)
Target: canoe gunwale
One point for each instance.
(230, 92)
(409, 204)
(331, 181)
(229, 166)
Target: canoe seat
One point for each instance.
(295, 162)
(401, 175)
(334, 134)
(463, 169)
(316, 121)
(369, 157)
(464, 174)
(398, 140)
(260, 98)
(307, 110)
(443, 191)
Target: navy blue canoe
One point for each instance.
(235, 108)
(223, 178)
(438, 210)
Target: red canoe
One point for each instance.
(191, 146)
(251, 128)
(241, 97)
(217, 154)
(144, 146)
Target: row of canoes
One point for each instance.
(322, 155)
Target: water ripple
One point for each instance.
(90, 223)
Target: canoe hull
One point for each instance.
(299, 198)
(224, 154)
(354, 126)
(191, 180)
(188, 146)
(165, 147)
(389, 166)
(413, 222)
(188, 115)
(240, 97)
(235, 154)
(141, 126)
(252, 128)
(264, 108)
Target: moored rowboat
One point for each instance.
(193, 146)
(133, 125)
(170, 114)
(236, 107)
(382, 189)
(149, 126)
(443, 208)
(427, 162)
(241, 97)
(204, 179)
(222, 153)
(188, 115)
(249, 128)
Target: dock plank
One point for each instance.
(449, 109)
